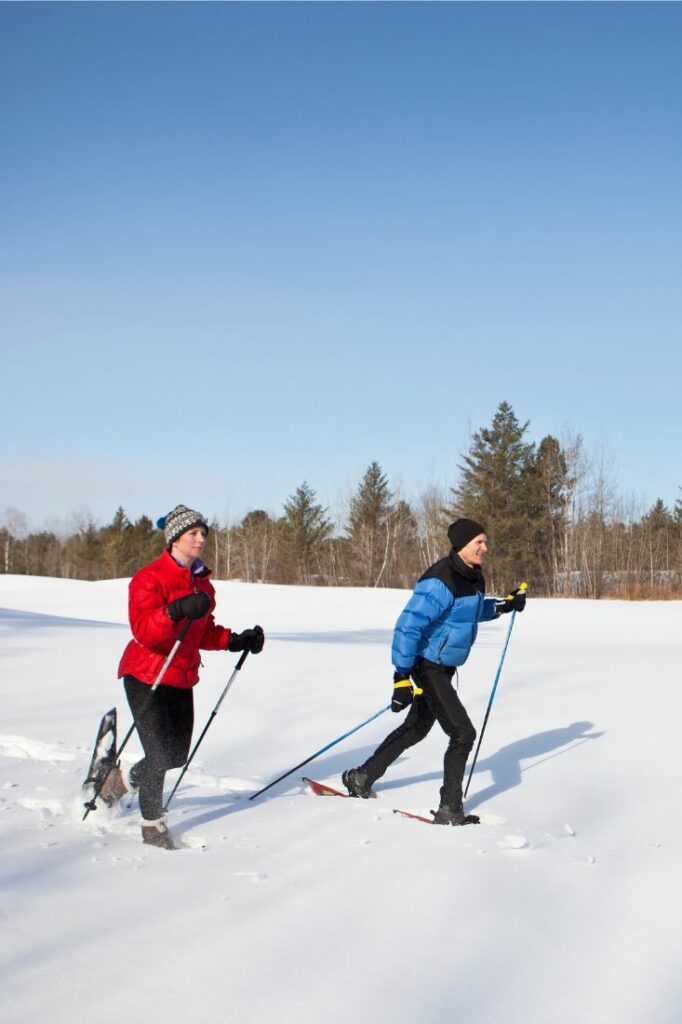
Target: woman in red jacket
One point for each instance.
(162, 597)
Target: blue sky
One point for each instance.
(245, 245)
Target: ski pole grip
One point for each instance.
(241, 660)
(522, 586)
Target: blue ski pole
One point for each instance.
(523, 586)
(321, 751)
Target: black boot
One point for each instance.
(448, 815)
(357, 782)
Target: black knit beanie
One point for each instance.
(462, 531)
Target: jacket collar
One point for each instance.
(469, 572)
(198, 569)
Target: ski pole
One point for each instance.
(206, 727)
(524, 587)
(318, 752)
(91, 805)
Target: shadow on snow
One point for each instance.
(10, 619)
(506, 768)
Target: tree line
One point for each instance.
(553, 518)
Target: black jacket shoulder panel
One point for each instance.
(449, 572)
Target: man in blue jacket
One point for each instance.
(433, 636)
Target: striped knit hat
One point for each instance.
(179, 521)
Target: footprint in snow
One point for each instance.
(44, 806)
(514, 842)
(492, 819)
(194, 842)
(33, 750)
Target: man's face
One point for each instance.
(474, 552)
(190, 545)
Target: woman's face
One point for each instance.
(190, 545)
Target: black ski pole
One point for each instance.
(318, 752)
(91, 805)
(524, 586)
(206, 727)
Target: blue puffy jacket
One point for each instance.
(440, 621)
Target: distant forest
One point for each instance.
(552, 516)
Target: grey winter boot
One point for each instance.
(446, 815)
(357, 782)
(155, 833)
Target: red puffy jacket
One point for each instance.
(151, 589)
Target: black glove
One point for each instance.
(514, 602)
(249, 640)
(403, 694)
(192, 606)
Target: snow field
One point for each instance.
(562, 905)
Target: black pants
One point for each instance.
(165, 730)
(438, 703)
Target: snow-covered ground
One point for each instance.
(563, 906)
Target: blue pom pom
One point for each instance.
(161, 522)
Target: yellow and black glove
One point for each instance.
(404, 691)
(514, 602)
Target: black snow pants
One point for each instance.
(165, 730)
(438, 703)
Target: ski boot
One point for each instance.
(357, 783)
(446, 815)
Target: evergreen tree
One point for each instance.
(115, 546)
(84, 553)
(301, 535)
(497, 489)
(45, 554)
(369, 530)
(405, 557)
(678, 510)
(145, 543)
(551, 483)
(254, 540)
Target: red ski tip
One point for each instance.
(320, 789)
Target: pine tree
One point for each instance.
(496, 489)
(145, 542)
(552, 484)
(369, 528)
(84, 553)
(301, 535)
(115, 546)
(405, 563)
(254, 541)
